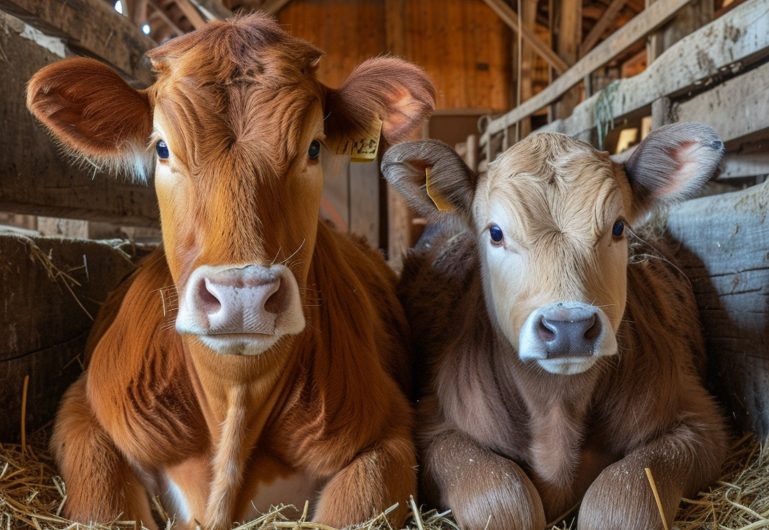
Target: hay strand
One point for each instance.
(24, 389)
(656, 493)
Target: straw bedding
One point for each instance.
(32, 495)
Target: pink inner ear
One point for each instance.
(400, 121)
(688, 172)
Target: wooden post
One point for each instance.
(689, 19)
(568, 15)
(528, 20)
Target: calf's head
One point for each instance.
(234, 126)
(551, 218)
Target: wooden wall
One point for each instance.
(462, 44)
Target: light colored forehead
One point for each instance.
(551, 181)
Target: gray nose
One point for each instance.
(569, 333)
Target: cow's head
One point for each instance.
(551, 219)
(233, 126)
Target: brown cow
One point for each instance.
(274, 382)
(558, 370)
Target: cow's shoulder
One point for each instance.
(138, 384)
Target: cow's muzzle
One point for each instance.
(566, 337)
(240, 310)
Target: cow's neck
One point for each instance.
(226, 382)
(559, 412)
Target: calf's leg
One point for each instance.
(101, 486)
(682, 461)
(482, 488)
(375, 480)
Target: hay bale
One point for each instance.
(50, 289)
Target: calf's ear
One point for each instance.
(451, 185)
(395, 91)
(672, 163)
(93, 113)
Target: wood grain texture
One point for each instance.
(90, 27)
(42, 324)
(35, 177)
(723, 247)
(721, 49)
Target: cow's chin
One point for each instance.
(234, 344)
(567, 366)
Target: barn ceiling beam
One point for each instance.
(158, 12)
(608, 17)
(509, 17)
(271, 7)
(212, 9)
(192, 13)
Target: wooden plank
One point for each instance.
(273, 6)
(35, 176)
(722, 48)
(50, 287)
(736, 108)
(192, 13)
(160, 13)
(606, 20)
(632, 32)
(723, 251)
(741, 165)
(506, 13)
(364, 201)
(90, 27)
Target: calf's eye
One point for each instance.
(496, 235)
(162, 149)
(618, 229)
(314, 151)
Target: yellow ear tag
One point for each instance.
(442, 204)
(363, 148)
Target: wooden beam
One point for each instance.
(137, 11)
(212, 9)
(601, 26)
(506, 13)
(715, 50)
(192, 13)
(160, 13)
(736, 108)
(632, 32)
(271, 7)
(91, 27)
(741, 165)
(36, 176)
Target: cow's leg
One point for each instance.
(101, 486)
(682, 461)
(375, 480)
(482, 488)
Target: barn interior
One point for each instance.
(604, 71)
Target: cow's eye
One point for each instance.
(162, 149)
(496, 235)
(618, 229)
(314, 151)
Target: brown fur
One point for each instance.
(238, 104)
(506, 443)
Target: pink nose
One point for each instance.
(239, 300)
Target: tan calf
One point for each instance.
(558, 369)
(280, 378)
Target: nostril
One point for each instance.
(545, 330)
(209, 303)
(594, 329)
(276, 302)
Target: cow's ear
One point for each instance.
(395, 91)
(93, 112)
(451, 185)
(672, 163)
